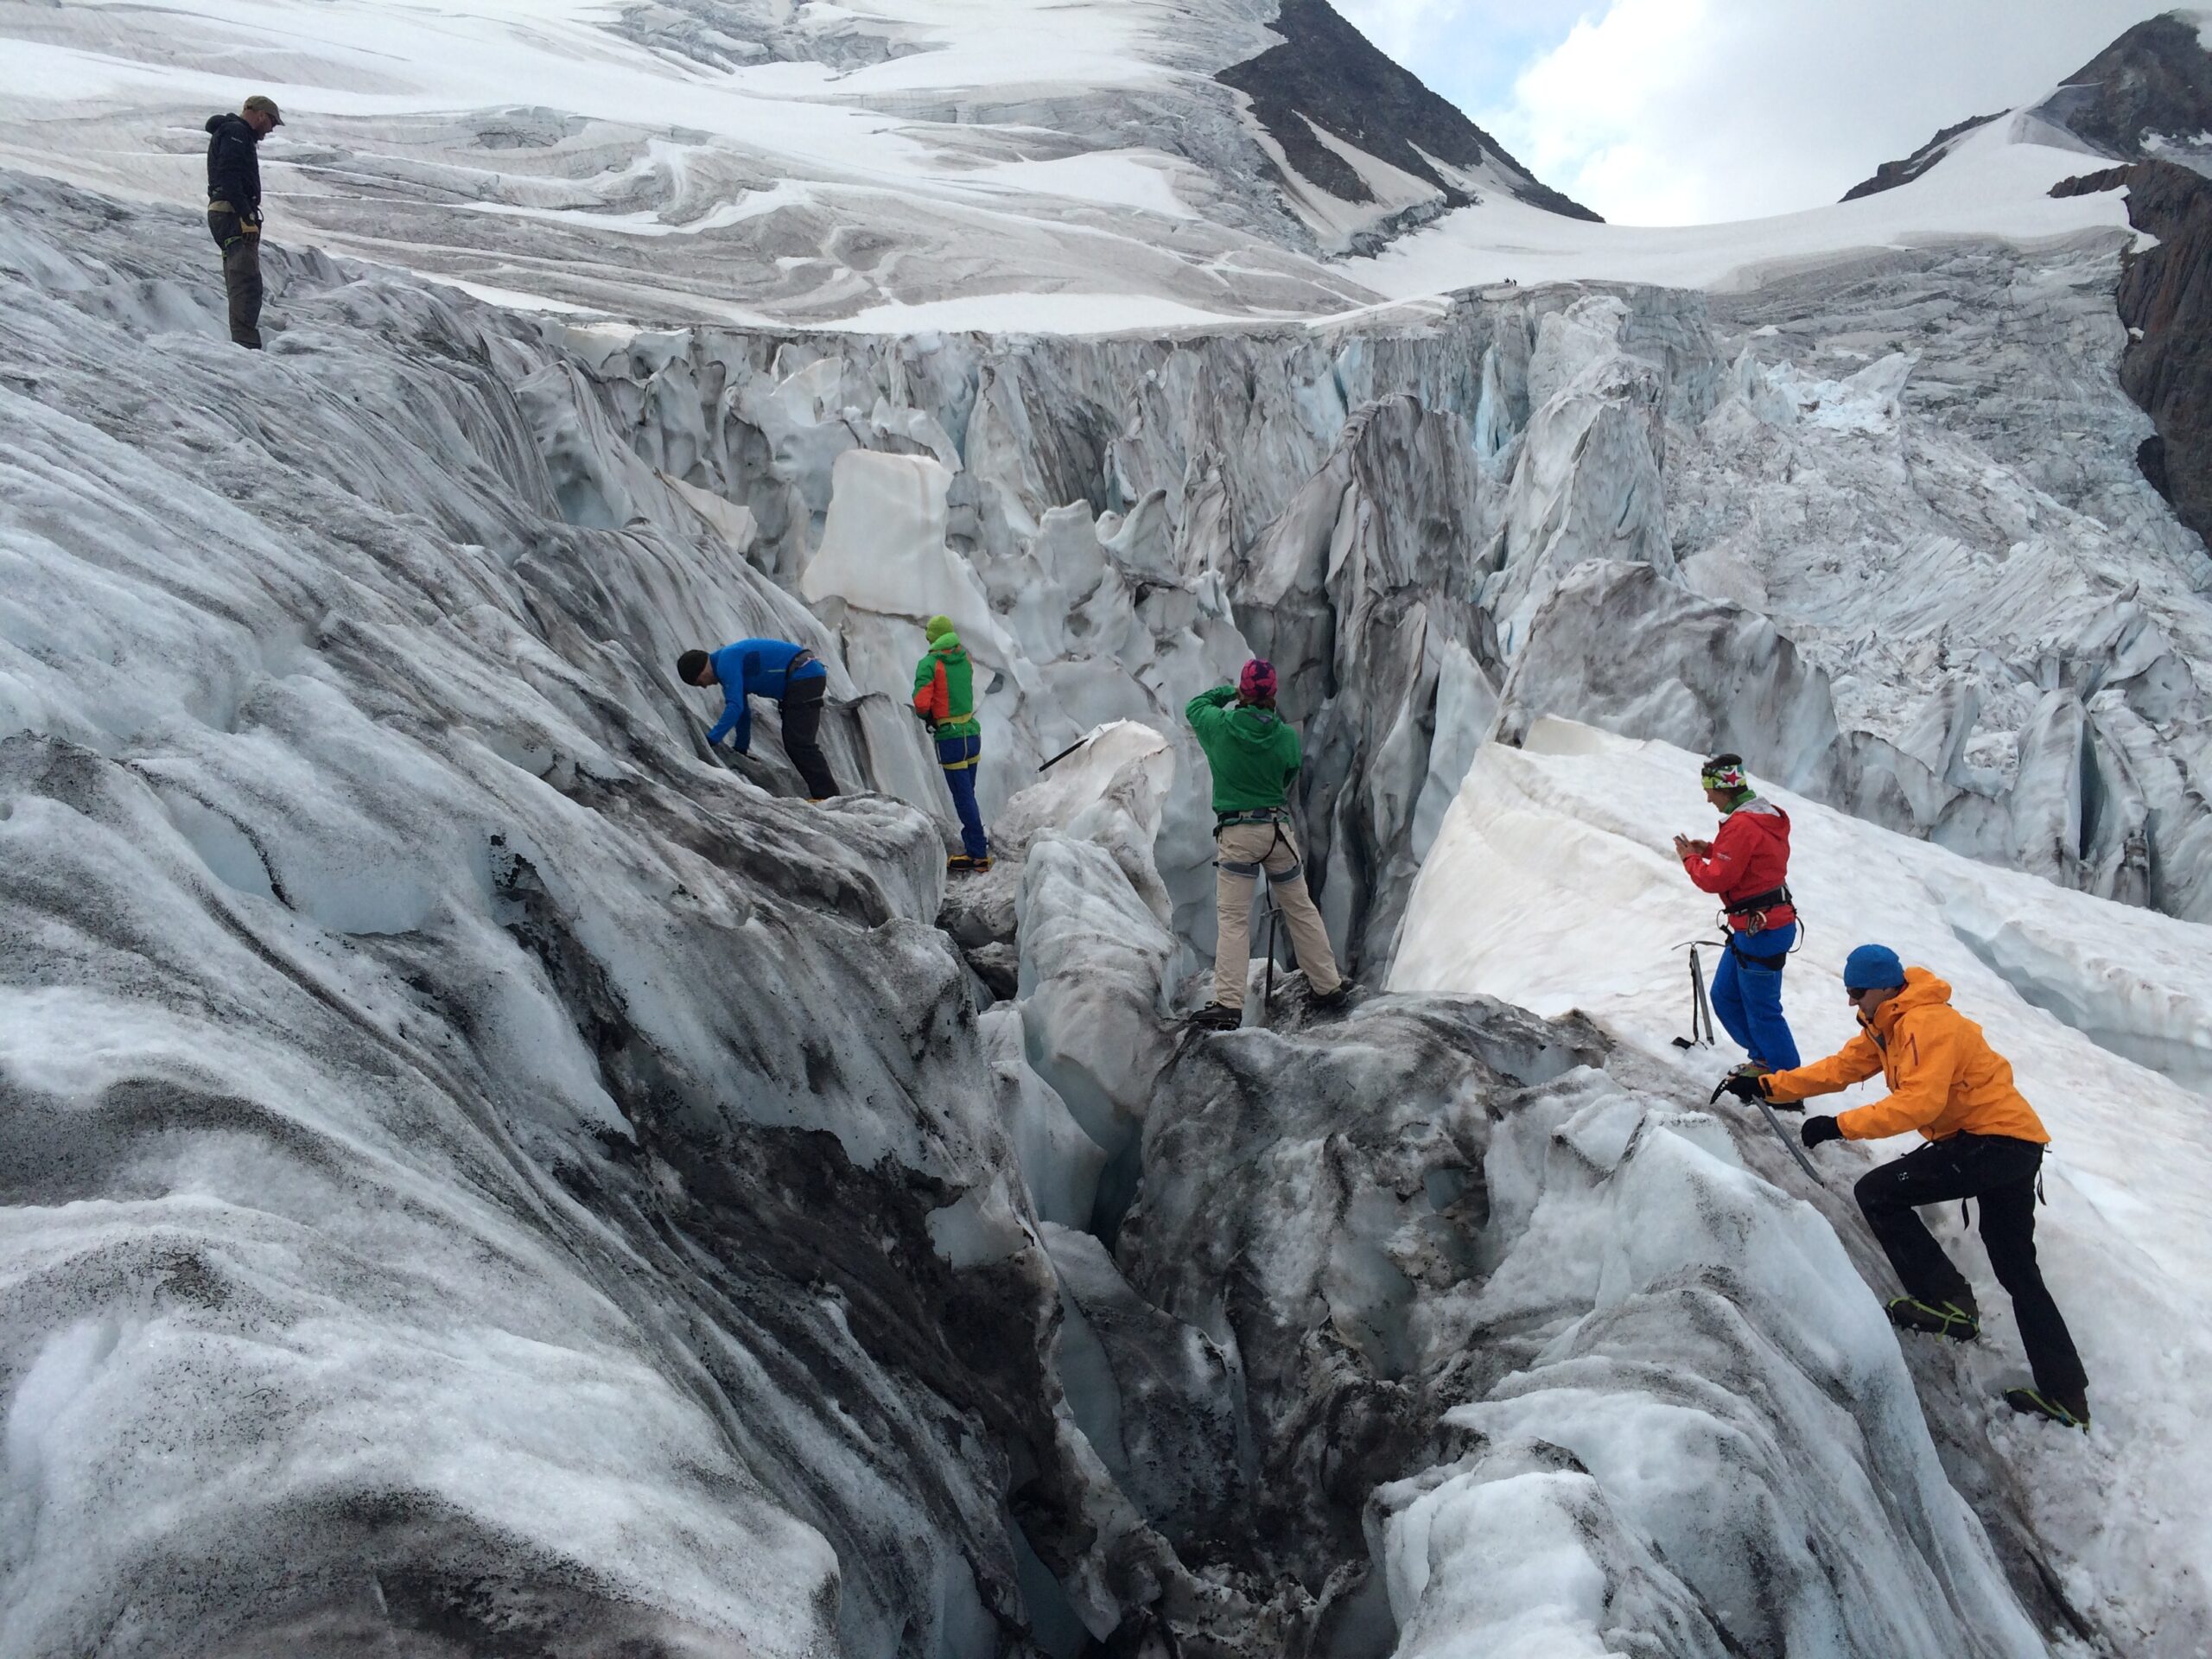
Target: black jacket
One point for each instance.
(233, 166)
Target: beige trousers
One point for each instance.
(1262, 844)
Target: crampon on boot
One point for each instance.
(961, 864)
(1216, 1016)
(1937, 1319)
(2067, 1414)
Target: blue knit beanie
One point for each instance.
(1872, 967)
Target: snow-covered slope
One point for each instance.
(960, 163)
(1004, 163)
(483, 1174)
(1552, 885)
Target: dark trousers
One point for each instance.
(2000, 1172)
(960, 756)
(241, 276)
(802, 728)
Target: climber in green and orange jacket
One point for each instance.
(945, 697)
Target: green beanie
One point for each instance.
(936, 627)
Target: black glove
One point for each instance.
(1744, 1085)
(1819, 1131)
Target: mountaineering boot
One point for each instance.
(2071, 1412)
(1946, 1319)
(1217, 1016)
(1331, 1001)
(961, 864)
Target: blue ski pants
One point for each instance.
(959, 757)
(1747, 998)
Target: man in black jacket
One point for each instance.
(234, 209)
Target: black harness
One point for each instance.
(1277, 817)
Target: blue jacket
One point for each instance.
(755, 668)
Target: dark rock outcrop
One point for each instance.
(2155, 80)
(2165, 301)
(1327, 73)
(1890, 174)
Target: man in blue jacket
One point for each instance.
(791, 674)
(234, 209)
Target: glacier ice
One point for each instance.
(521, 1170)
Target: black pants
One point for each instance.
(802, 727)
(241, 275)
(2001, 1173)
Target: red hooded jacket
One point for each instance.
(1749, 856)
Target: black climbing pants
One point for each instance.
(802, 735)
(2000, 1172)
(240, 241)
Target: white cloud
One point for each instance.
(1467, 50)
(1691, 112)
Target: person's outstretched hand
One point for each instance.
(1819, 1131)
(1745, 1085)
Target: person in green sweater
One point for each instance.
(1254, 755)
(945, 697)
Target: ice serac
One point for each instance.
(431, 1174)
(1860, 460)
(383, 918)
(1561, 1335)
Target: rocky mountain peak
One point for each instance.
(1345, 118)
(2147, 97)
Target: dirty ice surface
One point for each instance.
(1553, 885)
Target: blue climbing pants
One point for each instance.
(1747, 997)
(959, 757)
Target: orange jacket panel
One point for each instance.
(934, 699)
(1944, 1078)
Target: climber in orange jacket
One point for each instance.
(1984, 1141)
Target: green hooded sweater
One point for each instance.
(944, 685)
(1253, 752)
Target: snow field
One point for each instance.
(1552, 885)
(986, 144)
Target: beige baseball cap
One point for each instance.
(259, 106)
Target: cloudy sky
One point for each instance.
(1687, 111)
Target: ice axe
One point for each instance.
(1067, 751)
(1701, 1009)
(1788, 1140)
(1701, 1013)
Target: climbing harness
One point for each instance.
(1257, 870)
(1752, 913)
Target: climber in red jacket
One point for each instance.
(1747, 864)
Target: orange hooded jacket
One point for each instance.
(1944, 1078)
